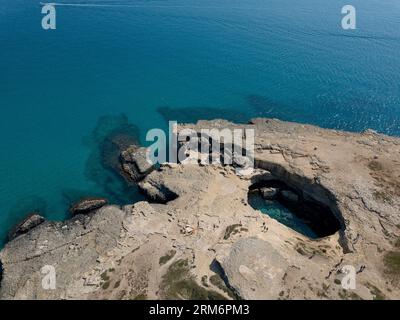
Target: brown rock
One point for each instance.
(88, 205)
(30, 222)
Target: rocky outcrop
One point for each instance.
(30, 222)
(88, 205)
(135, 163)
(164, 250)
(72, 247)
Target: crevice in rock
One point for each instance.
(217, 268)
(158, 194)
(134, 166)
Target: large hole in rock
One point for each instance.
(288, 206)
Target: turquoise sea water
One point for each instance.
(282, 214)
(108, 69)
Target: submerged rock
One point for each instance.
(269, 193)
(88, 205)
(30, 222)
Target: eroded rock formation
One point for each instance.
(134, 163)
(206, 241)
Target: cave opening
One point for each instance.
(288, 206)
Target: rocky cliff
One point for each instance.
(199, 237)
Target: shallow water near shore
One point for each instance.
(127, 69)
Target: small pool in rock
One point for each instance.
(280, 213)
(288, 206)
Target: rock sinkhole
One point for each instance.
(287, 205)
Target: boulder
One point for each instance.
(253, 268)
(135, 164)
(243, 165)
(269, 193)
(88, 205)
(30, 222)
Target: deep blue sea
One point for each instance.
(129, 65)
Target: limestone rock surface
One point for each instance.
(204, 240)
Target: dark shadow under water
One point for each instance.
(110, 135)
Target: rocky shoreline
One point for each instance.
(198, 238)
